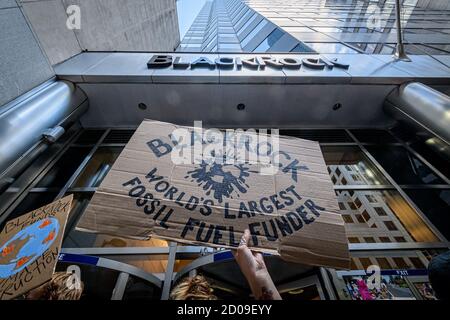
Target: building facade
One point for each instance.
(321, 26)
(37, 35)
(305, 73)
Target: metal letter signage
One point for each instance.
(256, 63)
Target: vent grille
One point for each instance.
(119, 136)
(89, 136)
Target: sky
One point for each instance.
(187, 12)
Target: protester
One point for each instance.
(252, 266)
(255, 271)
(439, 275)
(60, 287)
(195, 288)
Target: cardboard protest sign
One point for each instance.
(290, 208)
(29, 248)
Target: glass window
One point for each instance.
(225, 30)
(353, 240)
(330, 47)
(271, 39)
(32, 201)
(425, 49)
(214, 39)
(347, 218)
(435, 204)
(401, 220)
(297, 29)
(327, 29)
(349, 165)
(402, 166)
(229, 47)
(434, 158)
(390, 225)
(98, 166)
(406, 260)
(190, 45)
(301, 47)
(401, 263)
(253, 33)
(89, 137)
(139, 289)
(249, 21)
(333, 135)
(79, 204)
(98, 282)
(380, 211)
(373, 136)
(383, 263)
(243, 17)
(64, 168)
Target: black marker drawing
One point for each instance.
(221, 179)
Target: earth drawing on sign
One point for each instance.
(27, 245)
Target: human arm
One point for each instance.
(255, 271)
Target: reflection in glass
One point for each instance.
(244, 27)
(32, 201)
(398, 222)
(402, 166)
(435, 204)
(301, 47)
(434, 158)
(98, 282)
(254, 32)
(89, 136)
(330, 47)
(373, 136)
(98, 166)
(61, 172)
(79, 204)
(349, 166)
(404, 260)
(80, 239)
(325, 135)
(269, 41)
(301, 293)
(139, 289)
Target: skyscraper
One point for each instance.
(322, 70)
(323, 26)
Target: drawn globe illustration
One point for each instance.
(26, 246)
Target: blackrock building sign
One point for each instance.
(256, 62)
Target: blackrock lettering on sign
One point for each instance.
(256, 62)
(290, 210)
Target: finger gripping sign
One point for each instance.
(177, 183)
(29, 248)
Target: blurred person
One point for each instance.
(194, 288)
(364, 290)
(252, 266)
(439, 275)
(60, 287)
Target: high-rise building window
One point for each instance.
(254, 32)
(268, 42)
